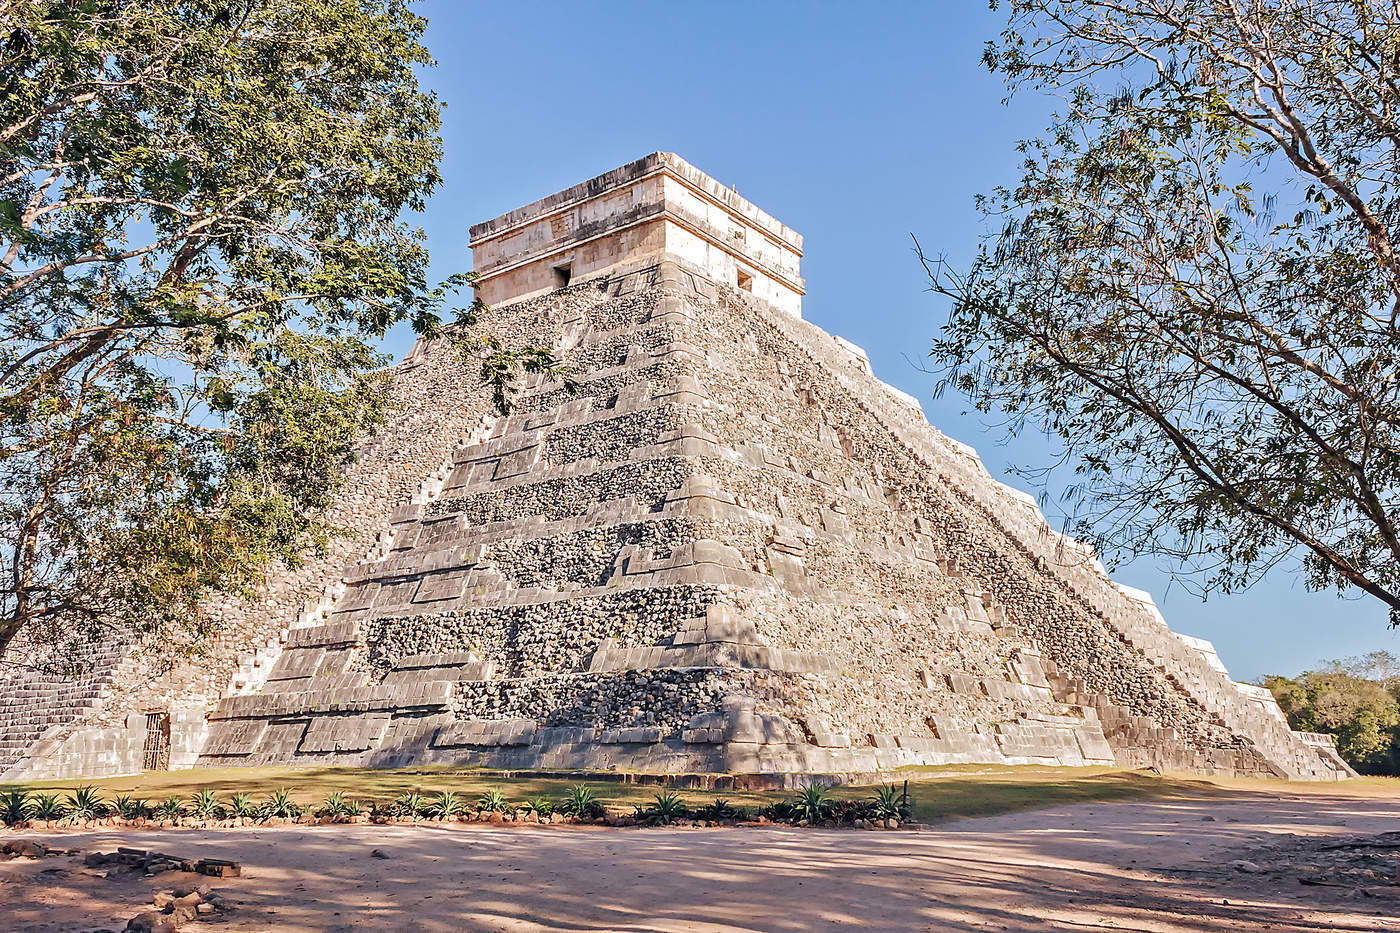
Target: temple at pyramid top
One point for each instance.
(658, 207)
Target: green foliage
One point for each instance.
(15, 807)
(493, 801)
(204, 803)
(85, 803)
(665, 808)
(131, 808)
(540, 806)
(891, 802)
(411, 804)
(1361, 714)
(47, 807)
(580, 801)
(241, 805)
(169, 809)
(446, 804)
(812, 803)
(202, 233)
(1194, 288)
(281, 803)
(336, 805)
(719, 809)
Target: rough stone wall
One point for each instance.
(732, 549)
(435, 402)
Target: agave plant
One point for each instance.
(85, 803)
(205, 804)
(540, 806)
(242, 806)
(336, 805)
(47, 807)
(580, 801)
(15, 807)
(890, 803)
(665, 808)
(446, 804)
(720, 809)
(170, 808)
(280, 803)
(130, 808)
(812, 803)
(412, 804)
(493, 801)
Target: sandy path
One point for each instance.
(1086, 868)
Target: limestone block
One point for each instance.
(343, 733)
(486, 732)
(296, 663)
(440, 586)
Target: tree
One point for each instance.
(1194, 287)
(201, 235)
(1361, 714)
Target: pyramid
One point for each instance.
(728, 549)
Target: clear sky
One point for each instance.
(855, 124)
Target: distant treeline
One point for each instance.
(1356, 700)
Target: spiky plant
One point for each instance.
(204, 803)
(582, 802)
(336, 805)
(170, 808)
(665, 808)
(890, 803)
(242, 806)
(446, 804)
(493, 801)
(85, 803)
(15, 807)
(719, 809)
(130, 808)
(280, 803)
(811, 803)
(412, 804)
(540, 806)
(48, 807)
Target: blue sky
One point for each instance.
(857, 125)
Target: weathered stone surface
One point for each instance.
(729, 548)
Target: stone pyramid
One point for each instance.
(730, 550)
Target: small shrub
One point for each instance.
(130, 808)
(540, 806)
(582, 802)
(719, 809)
(15, 807)
(812, 803)
(493, 801)
(280, 803)
(780, 812)
(665, 808)
(411, 804)
(85, 803)
(242, 806)
(170, 809)
(205, 804)
(335, 805)
(446, 804)
(890, 803)
(47, 807)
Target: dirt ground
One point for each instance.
(1226, 862)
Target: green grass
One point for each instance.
(939, 794)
